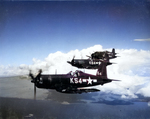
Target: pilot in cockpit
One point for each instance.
(76, 74)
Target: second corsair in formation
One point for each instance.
(78, 81)
(94, 61)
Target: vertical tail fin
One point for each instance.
(102, 71)
(113, 53)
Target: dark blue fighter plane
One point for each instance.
(94, 61)
(86, 63)
(103, 54)
(76, 82)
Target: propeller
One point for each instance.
(34, 80)
(72, 61)
(34, 91)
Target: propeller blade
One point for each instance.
(73, 57)
(34, 91)
(69, 62)
(37, 77)
(72, 61)
(33, 81)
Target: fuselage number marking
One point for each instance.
(80, 80)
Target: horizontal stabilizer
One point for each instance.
(113, 63)
(114, 80)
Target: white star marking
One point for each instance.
(89, 80)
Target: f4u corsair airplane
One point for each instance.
(87, 63)
(72, 82)
(102, 55)
(94, 60)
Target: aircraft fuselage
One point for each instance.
(68, 82)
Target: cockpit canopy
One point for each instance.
(76, 73)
